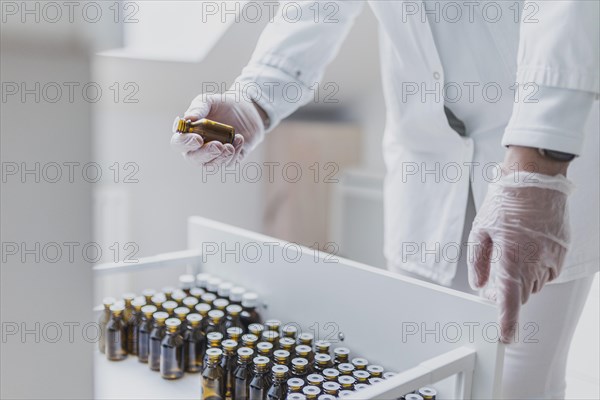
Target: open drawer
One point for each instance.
(430, 335)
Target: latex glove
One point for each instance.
(231, 109)
(523, 227)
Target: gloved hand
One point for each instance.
(231, 109)
(523, 227)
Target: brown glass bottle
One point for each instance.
(273, 325)
(311, 392)
(278, 389)
(169, 306)
(295, 385)
(220, 304)
(203, 310)
(103, 320)
(116, 334)
(304, 351)
(171, 352)
(228, 363)
(177, 296)
(144, 330)
(235, 333)
(300, 367)
(249, 340)
(214, 339)
(271, 337)
(186, 283)
(208, 298)
(197, 292)
(341, 355)
(158, 299)
(287, 344)
(148, 293)
(202, 279)
(281, 357)
(233, 317)
(156, 337)
(256, 329)
(168, 291)
(264, 349)
(190, 302)
(242, 374)
(213, 378)
(181, 313)
(194, 344)
(133, 325)
(261, 380)
(322, 346)
(236, 294)
(224, 290)
(250, 314)
(128, 299)
(207, 129)
(215, 322)
(322, 362)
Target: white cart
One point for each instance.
(430, 335)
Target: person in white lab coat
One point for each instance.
(457, 84)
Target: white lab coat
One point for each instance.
(425, 211)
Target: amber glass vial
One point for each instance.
(213, 378)
(207, 129)
(242, 374)
(194, 343)
(156, 337)
(133, 326)
(261, 381)
(103, 320)
(144, 330)
(278, 389)
(228, 363)
(116, 334)
(171, 351)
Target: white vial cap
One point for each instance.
(225, 289)
(213, 284)
(250, 300)
(186, 281)
(202, 280)
(236, 293)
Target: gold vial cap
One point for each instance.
(202, 309)
(194, 319)
(149, 310)
(280, 371)
(245, 353)
(160, 317)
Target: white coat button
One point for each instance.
(436, 76)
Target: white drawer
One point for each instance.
(425, 332)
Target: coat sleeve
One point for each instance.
(559, 58)
(292, 53)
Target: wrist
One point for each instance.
(520, 158)
(263, 115)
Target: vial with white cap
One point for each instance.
(278, 389)
(133, 325)
(194, 343)
(224, 290)
(213, 378)
(250, 313)
(236, 294)
(103, 320)
(202, 280)
(261, 381)
(145, 327)
(186, 283)
(116, 334)
(243, 373)
(171, 351)
(428, 393)
(156, 337)
(212, 286)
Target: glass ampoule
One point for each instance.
(341, 355)
(145, 328)
(116, 334)
(148, 293)
(322, 346)
(278, 389)
(186, 283)
(243, 374)
(228, 363)
(331, 388)
(235, 333)
(224, 290)
(133, 325)
(295, 385)
(261, 380)
(171, 355)
(236, 294)
(190, 302)
(194, 344)
(233, 317)
(250, 314)
(311, 392)
(322, 361)
(289, 331)
(273, 325)
(287, 344)
(264, 349)
(220, 304)
(281, 357)
(103, 320)
(249, 340)
(156, 337)
(169, 306)
(128, 299)
(213, 378)
(215, 321)
(315, 380)
(300, 367)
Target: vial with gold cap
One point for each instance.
(171, 353)
(220, 304)
(177, 296)
(156, 337)
(103, 320)
(186, 283)
(341, 355)
(128, 299)
(322, 362)
(207, 129)
(278, 389)
(300, 367)
(322, 346)
(361, 376)
(168, 291)
(233, 317)
(208, 298)
(250, 314)
(345, 368)
(304, 351)
(133, 325)
(194, 344)
(203, 310)
(315, 380)
(376, 371)
(295, 385)
(287, 344)
(228, 363)
(190, 302)
(197, 292)
(413, 396)
(158, 299)
(261, 380)
(264, 349)
(311, 392)
(273, 325)
(214, 339)
(289, 331)
(296, 396)
(326, 397)
(347, 382)
(213, 378)
(331, 374)
(428, 393)
(388, 374)
(116, 334)
(306, 339)
(144, 330)
(235, 333)
(360, 363)
(271, 337)
(181, 313)
(281, 357)
(249, 340)
(148, 293)
(331, 388)
(256, 329)
(215, 321)
(169, 306)
(242, 374)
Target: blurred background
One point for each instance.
(149, 60)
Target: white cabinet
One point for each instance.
(425, 332)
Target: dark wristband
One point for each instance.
(557, 155)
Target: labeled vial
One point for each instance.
(148, 293)
(273, 325)
(361, 376)
(281, 357)
(209, 130)
(278, 389)
(236, 294)
(360, 363)
(116, 334)
(228, 363)
(300, 367)
(428, 393)
(296, 396)
(197, 292)
(289, 331)
(158, 300)
(376, 371)
(264, 349)
(331, 374)
(413, 396)
(243, 374)
(178, 296)
(202, 280)
(271, 337)
(346, 382)
(213, 378)
(261, 380)
(212, 286)
(232, 320)
(295, 385)
(287, 344)
(306, 339)
(235, 333)
(224, 290)
(203, 310)
(322, 346)
(194, 343)
(168, 291)
(190, 302)
(145, 328)
(208, 298)
(249, 340)
(156, 337)
(250, 313)
(133, 326)
(186, 283)
(345, 368)
(256, 329)
(331, 388)
(304, 351)
(311, 392)
(215, 321)
(220, 304)
(103, 320)
(169, 307)
(322, 362)
(128, 299)
(341, 355)
(388, 375)
(214, 339)
(171, 353)
(315, 380)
